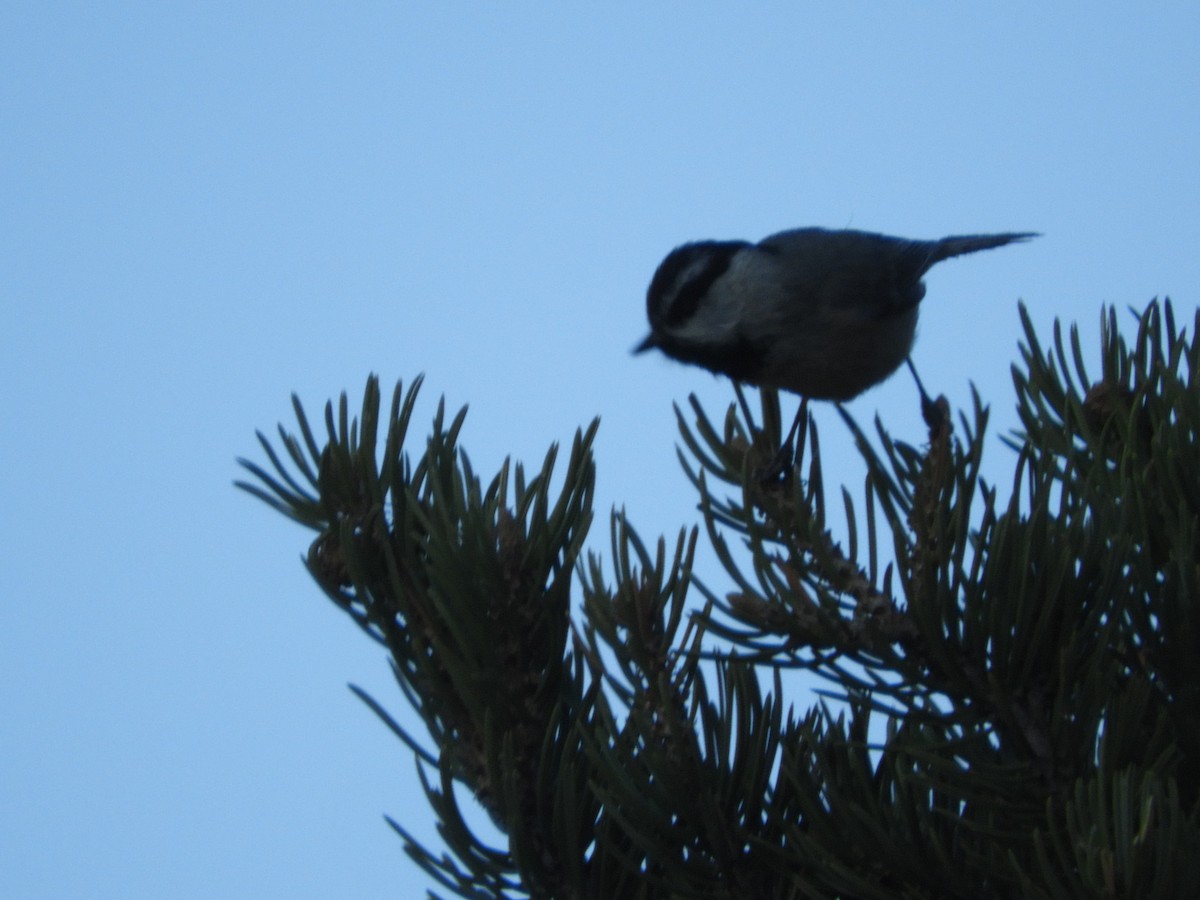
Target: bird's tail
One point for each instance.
(969, 243)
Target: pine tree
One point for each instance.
(1013, 702)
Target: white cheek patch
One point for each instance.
(747, 301)
(722, 316)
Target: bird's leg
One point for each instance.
(933, 413)
(785, 456)
(741, 397)
(782, 461)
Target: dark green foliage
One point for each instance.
(1013, 707)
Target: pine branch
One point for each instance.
(1015, 685)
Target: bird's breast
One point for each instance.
(838, 354)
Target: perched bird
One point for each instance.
(825, 314)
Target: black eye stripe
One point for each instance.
(714, 258)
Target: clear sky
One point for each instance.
(207, 206)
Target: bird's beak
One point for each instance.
(648, 343)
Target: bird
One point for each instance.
(825, 314)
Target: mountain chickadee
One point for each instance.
(825, 314)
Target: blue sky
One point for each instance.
(207, 206)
